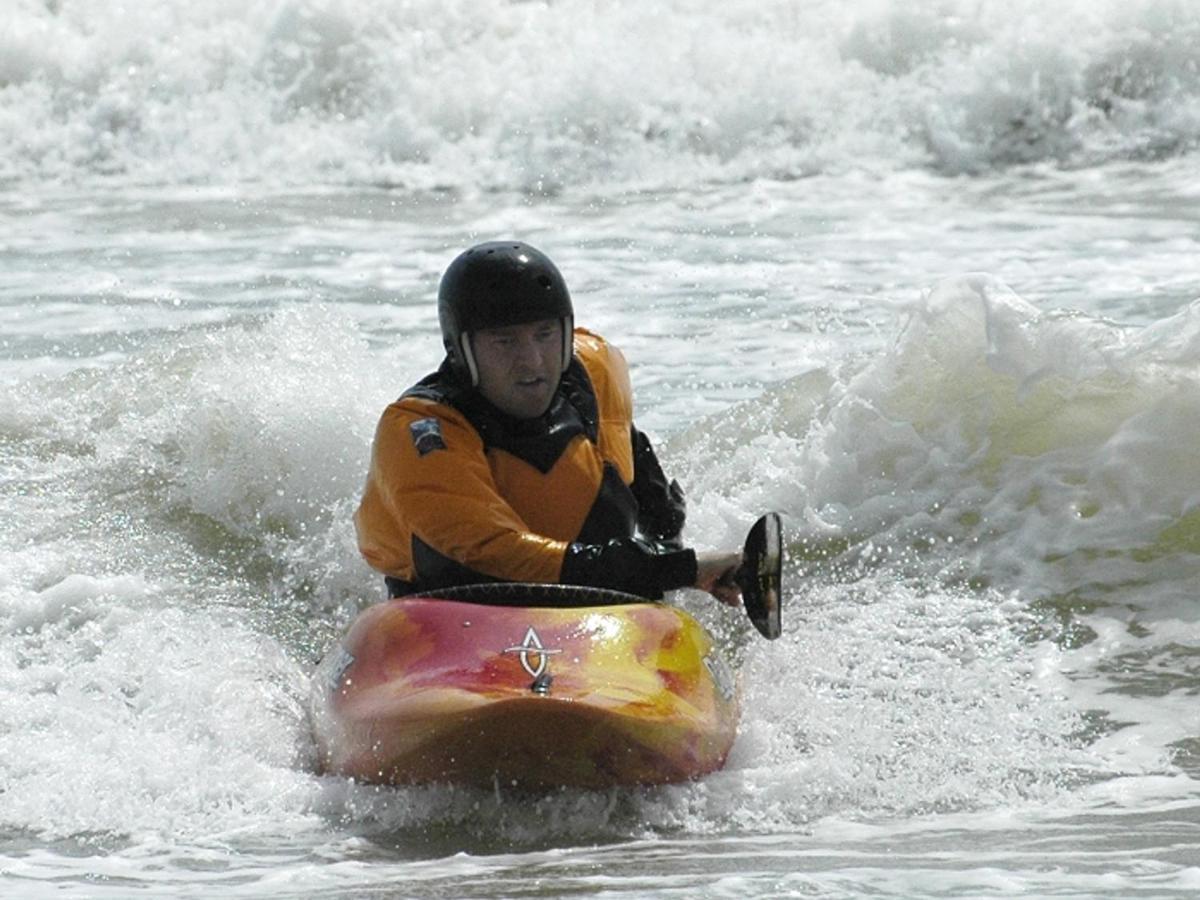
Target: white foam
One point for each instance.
(129, 714)
(541, 96)
(75, 600)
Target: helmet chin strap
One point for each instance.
(468, 356)
(568, 341)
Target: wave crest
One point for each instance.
(539, 97)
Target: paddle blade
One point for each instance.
(760, 576)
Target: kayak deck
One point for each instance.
(439, 691)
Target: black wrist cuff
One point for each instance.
(677, 569)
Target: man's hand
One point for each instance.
(714, 573)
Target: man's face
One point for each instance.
(519, 366)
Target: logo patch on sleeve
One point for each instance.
(427, 435)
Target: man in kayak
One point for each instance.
(518, 459)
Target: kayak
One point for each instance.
(534, 686)
(538, 686)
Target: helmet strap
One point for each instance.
(568, 341)
(468, 356)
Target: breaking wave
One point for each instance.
(542, 96)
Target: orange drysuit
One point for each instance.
(460, 493)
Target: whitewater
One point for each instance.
(922, 277)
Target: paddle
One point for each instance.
(760, 574)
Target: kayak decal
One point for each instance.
(532, 647)
(721, 676)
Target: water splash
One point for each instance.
(1039, 452)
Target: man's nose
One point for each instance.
(526, 351)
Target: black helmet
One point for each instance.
(496, 284)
